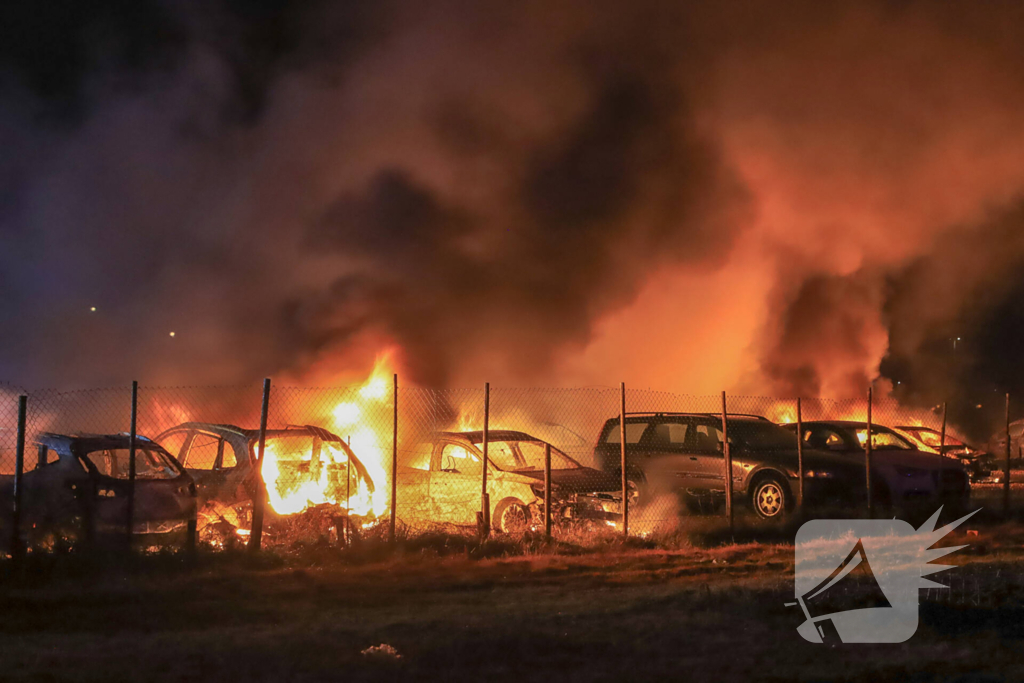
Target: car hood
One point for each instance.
(578, 480)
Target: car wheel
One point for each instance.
(636, 491)
(769, 498)
(511, 517)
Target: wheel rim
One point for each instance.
(769, 499)
(513, 519)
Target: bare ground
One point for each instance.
(625, 614)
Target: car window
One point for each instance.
(149, 464)
(532, 453)
(708, 437)
(670, 434)
(228, 458)
(824, 438)
(884, 439)
(634, 430)
(173, 442)
(202, 454)
(457, 458)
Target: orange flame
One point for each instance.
(324, 481)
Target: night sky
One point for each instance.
(773, 198)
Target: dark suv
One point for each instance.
(682, 452)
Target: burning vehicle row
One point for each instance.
(212, 470)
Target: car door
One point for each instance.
(202, 455)
(414, 483)
(706, 445)
(670, 459)
(454, 489)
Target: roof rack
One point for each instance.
(671, 414)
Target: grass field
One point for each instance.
(456, 611)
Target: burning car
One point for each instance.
(449, 491)
(682, 454)
(902, 474)
(978, 463)
(303, 466)
(79, 486)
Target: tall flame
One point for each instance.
(296, 484)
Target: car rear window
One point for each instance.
(634, 430)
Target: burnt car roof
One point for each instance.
(223, 429)
(493, 435)
(838, 423)
(94, 442)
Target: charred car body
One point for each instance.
(901, 474)
(978, 463)
(448, 489)
(682, 453)
(78, 486)
(222, 459)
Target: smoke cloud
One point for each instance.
(786, 199)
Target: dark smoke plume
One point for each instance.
(773, 197)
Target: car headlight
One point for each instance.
(909, 471)
(818, 474)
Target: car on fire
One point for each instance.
(979, 463)
(222, 458)
(683, 454)
(902, 475)
(78, 488)
(447, 489)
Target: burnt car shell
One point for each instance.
(87, 475)
(227, 474)
(578, 492)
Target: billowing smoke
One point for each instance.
(754, 196)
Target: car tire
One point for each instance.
(511, 517)
(769, 497)
(636, 490)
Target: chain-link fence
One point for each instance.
(340, 464)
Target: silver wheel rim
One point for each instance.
(769, 499)
(513, 519)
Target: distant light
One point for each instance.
(92, 308)
(958, 338)
(897, 381)
(172, 334)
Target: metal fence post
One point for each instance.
(942, 432)
(192, 528)
(130, 517)
(17, 549)
(256, 534)
(1006, 466)
(485, 502)
(622, 456)
(547, 490)
(348, 493)
(800, 454)
(727, 452)
(394, 462)
(867, 456)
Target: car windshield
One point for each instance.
(758, 435)
(933, 438)
(883, 440)
(149, 464)
(526, 455)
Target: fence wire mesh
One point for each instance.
(334, 471)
